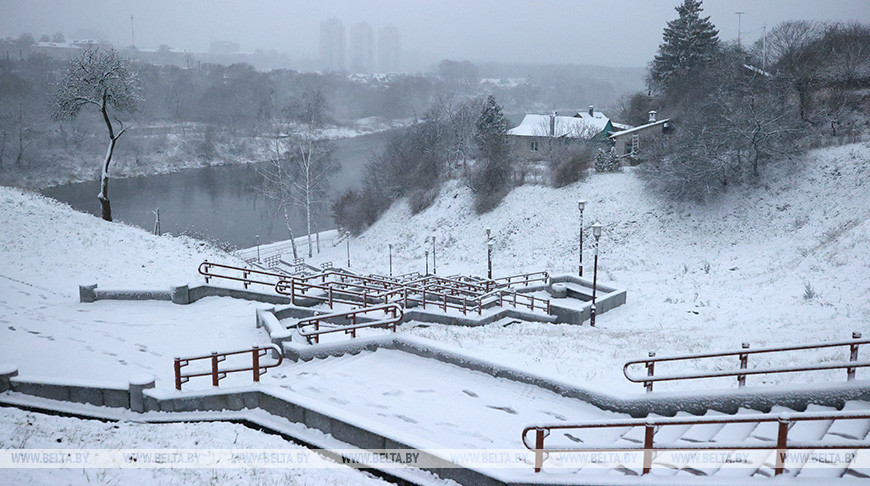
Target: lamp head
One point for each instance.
(581, 204)
(596, 230)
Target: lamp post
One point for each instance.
(581, 204)
(258, 248)
(347, 239)
(434, 269)
(391, 259)
(427, 262)
(489, 259)
(596, 232)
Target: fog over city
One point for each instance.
(611, 33)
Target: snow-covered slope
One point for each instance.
(698, 277)
(48, 247)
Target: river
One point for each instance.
(221, 203)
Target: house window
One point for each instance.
(533, 146)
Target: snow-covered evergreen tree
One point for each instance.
(690, 43)
(491, 131)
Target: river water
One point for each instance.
(220, 202)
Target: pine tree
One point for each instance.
(492, 176)
(491, 131)
(690, 44)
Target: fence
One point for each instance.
(216, 358)
(743, 358)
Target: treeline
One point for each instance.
(455, 139)
(735, 108)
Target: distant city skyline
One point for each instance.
(611, 33)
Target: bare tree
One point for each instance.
(102, 79)
(312, 163)
(276, 187)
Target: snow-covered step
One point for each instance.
(804, 431)
(852, 429)
(703, 432)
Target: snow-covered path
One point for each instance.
(450, 406)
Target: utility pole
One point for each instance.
(157, 222)
(764, 47)
(739, 22)
(132, 32)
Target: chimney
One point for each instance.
(591, 110)
(652, 116)
(553, 124)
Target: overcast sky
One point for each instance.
(605, 32)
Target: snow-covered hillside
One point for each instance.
(785, 262)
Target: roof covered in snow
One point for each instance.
(581, 125)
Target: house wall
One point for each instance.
(623, 142)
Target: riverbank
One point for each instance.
(166, 148)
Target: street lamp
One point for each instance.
(427, 262)
(596, 232)
(258, 248)
(434, 269)
(391, 259)
(347, 239)
(580, 205)
(489, 258)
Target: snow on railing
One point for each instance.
(652, 425)
(743, 358)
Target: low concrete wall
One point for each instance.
(181, 294)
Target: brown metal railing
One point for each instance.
(394, 309)
(216, 358)
(517, 299)
(248, 275)
(743, 358)
(652, 425)
(522, 279)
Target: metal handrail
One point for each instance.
(743, 355)
(217, 374)
(394, 309)
(515, 298)
(206, 266)
(651, 426)
(523, 278)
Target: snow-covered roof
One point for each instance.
(581, 125)
(638, 128)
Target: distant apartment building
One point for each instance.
(388, 49)
(362, 48)
(332, 45)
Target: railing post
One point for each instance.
(406, 297)
(853, 356)
(781, 441)
(464, 305)
(177, 373)
(214, 368)
(650, 370)
(365, 299)
(293, 291)
(648, 432)
(245, 278)
(206, 268)
(424, 297)
(255, 358)
(330, 296)
(539, 450)
(741, 379)
(445, 302)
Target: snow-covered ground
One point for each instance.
(698, 279)
(29, 430)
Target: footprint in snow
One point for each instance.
(503, 409)
(470, 393)
(33, 332)
(392, 393)
(122, 362)
(11, 328)
(407, 419)
(555, 415)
